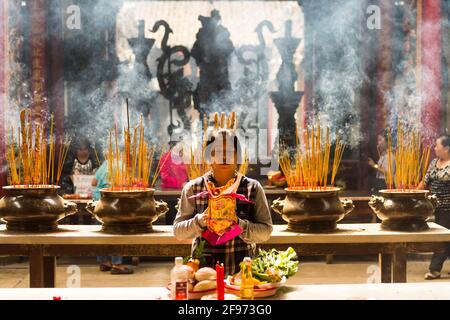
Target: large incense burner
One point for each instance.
(312, 210)
(127, 211)
(34, 208)
(403, 210)
(312, 204)
(402, 206)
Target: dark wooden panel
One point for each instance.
(335, 248)
(119, 250)
(399, 268)
(49, 272)
(36, 255)
(14, 250)
(385, 264)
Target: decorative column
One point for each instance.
(136, 88)
(38, 56)
(309, 62)
(384, 72)
(287, 99)
(430, 61)
(56, 64)
(3, 87)
(367, 100)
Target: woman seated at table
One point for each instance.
(224, 208)
(80, 162)
(437, 180)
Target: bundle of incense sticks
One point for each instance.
(310, 165)
(407, 165)
(31, 155)
(198, 165)
(130, 167)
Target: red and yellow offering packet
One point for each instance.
(221, 208)
(222, 219)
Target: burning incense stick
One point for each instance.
(131, 167)
(409, 160)
(96, 155)
(31, 167)
(310, 165)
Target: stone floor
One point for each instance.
(151, 272)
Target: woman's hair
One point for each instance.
(82, 142)
(219, 136)
(445, 140)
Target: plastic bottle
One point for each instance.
(179, 281)
(247, 284)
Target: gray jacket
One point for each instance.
(189, 224)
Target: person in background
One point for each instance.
(173, 172)
(81, 161)
(253, 222)
(173, 175)
(113, 264)
(381, 166)
(437, 180)
(84, 161)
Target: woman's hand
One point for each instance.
(371, 163)
(420, 186)
(204, 218)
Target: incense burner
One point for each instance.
(34, 208)
(309, 211)
(127, 211)
(403, 210)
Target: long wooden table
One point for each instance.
(404, 291)
(350, 239)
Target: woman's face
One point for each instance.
(82, 152)
(441, 151)
(224, 159)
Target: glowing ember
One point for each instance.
(313, 189)
(403, 191)
(32, 186)
(126, 189)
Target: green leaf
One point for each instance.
(283, 263)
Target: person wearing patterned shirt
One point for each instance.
(253, 219)
(83, 162)
(437, 180)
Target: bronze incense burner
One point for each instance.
(127, 211)
(34, 208)
(403, 210)
(311, 211)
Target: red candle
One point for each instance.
(220, 282)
